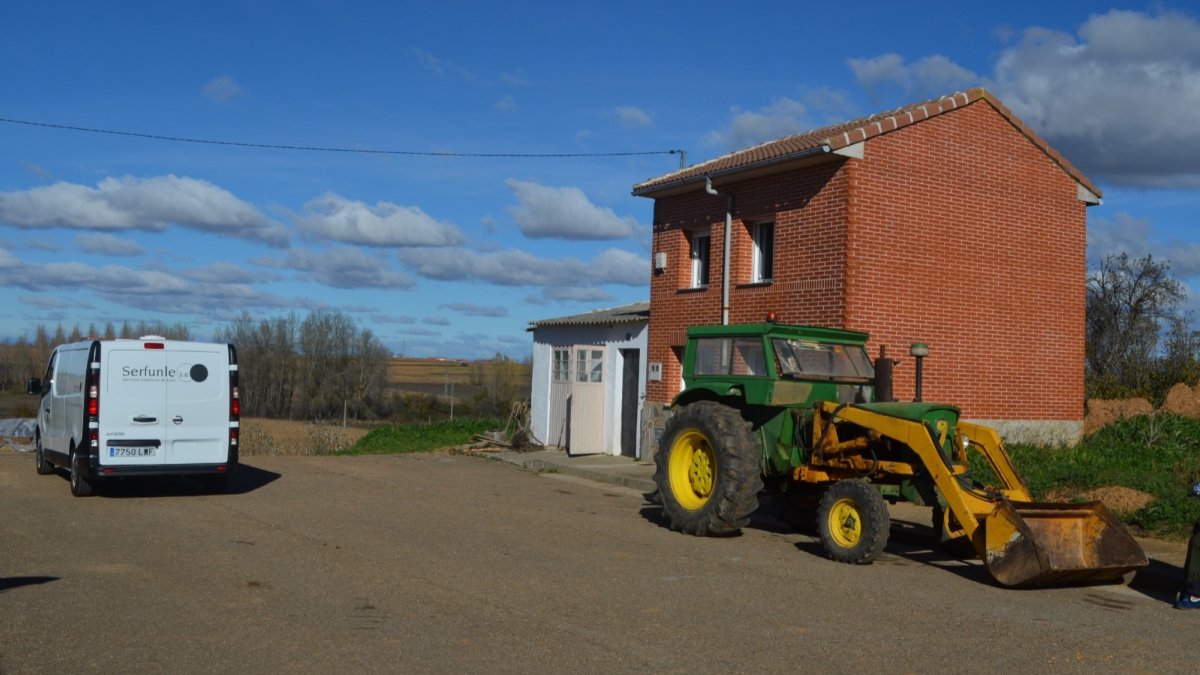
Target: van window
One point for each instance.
(49, 379)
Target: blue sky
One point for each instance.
(453, 256)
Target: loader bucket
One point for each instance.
(1034, 543)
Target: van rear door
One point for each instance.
(133, 404)
(197, 403)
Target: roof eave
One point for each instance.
(745, 170)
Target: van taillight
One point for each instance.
(93, 401)
(153, 345)
(235, 403)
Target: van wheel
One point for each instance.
(44, 468)
(80, 485)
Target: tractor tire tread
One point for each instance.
(739, 470)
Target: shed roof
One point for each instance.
(633, 313)
(832, 138)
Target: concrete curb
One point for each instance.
(608, 475)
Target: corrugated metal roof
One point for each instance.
(638, 311)
(838, 136)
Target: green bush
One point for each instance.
(407, 438)
(1157, 454)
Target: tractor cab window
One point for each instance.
(730, 356)
(802, 359)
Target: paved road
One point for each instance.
(438, 563)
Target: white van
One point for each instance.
(145, 407)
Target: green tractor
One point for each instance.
(800, 409)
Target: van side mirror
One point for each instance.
(33, 386)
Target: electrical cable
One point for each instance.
(311, 148)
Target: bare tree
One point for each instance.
(1136, 329)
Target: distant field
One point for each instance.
(17, 404)
(433, 376)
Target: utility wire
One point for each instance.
(310, 148)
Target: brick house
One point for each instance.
(947, 222)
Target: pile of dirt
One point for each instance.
(1119, 500)
(1183, 400)
(1101, 412)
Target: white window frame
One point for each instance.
(700, 256)
(763, 264)
(562, 365)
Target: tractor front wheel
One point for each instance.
(852, 520)
(708, 470)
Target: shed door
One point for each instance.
(587, 401)
(560, 394)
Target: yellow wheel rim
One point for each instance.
(845, 523)
(692, 469)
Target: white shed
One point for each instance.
(589, 380)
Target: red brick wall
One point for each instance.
(966, 236)
(956, 231)
(809, 208)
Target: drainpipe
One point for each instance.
(708, 187)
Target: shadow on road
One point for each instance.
(245, 479)
(7, 583)
(1160, 581)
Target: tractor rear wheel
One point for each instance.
(708, 470)
(853, 522)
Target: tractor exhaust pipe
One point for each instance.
(883, 376)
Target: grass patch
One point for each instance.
(1157, 454)
(424, 437)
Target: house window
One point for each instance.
(562, 365)
(590, 365)
(764, 253)
(700, 248)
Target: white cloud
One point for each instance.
(1124, 233)
(471, 309)
(576, 294)
(926, 77)
(144, 290)
(506, 104)
(336, 218)
(517, 78)
(128, 203)
(342, 267)
(223, 88)
(226, 273)
(440, 66)
(518, 268)
(106, 244)
(48, 302)
(782, 117)
(393, 318)
(630, 116)
(436, 321)
(1119, 101)
(8, 260)
(564, 213)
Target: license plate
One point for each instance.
(116, 451)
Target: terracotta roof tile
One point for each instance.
(838, 136)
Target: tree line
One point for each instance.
(321, 367)
(27, 355)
